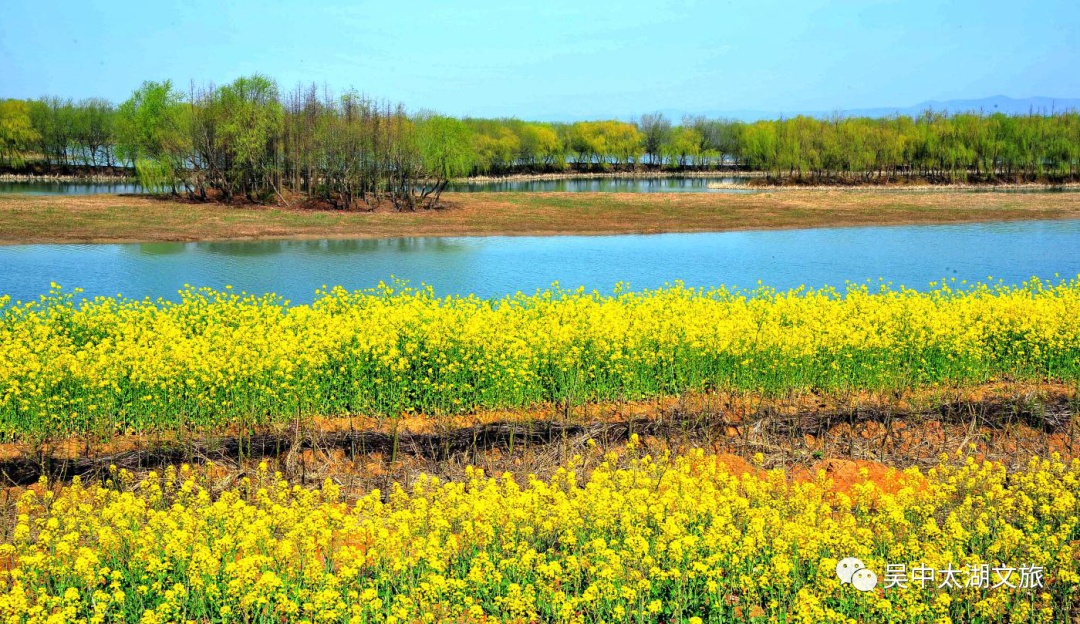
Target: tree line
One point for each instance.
(251, 139)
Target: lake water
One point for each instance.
(912, 256)
(614, 185)
(583, 185)
(67, 188)
(605, 185)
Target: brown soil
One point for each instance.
(1037, 405)
(113, 218)
(841, 435)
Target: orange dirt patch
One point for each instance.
(737, 465)
(845, 474)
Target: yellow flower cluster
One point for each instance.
(639, 539)
(214, 358)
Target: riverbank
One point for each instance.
(131, 218)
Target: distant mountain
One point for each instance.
(988, 105)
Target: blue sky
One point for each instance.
(556, 58)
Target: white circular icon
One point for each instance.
(847, 567)
(864, 580)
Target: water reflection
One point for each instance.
(67, 188)
(592, 185)
(156, 249)
(712, 184)
(318, 247)
(610, 185)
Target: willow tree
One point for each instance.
(623, 141)
(683, 146)
(405, 164)
(602, 142)
(445, 146)
(17, 134)
(495, 144)
(151, 131)
(540, 146)
(760, 146)
(586, 142)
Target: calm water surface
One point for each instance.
(913, 256)
(591, 185)
(602, 185)
(584, 185)
(67, 188)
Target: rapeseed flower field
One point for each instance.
(214, 359)
(636, 539)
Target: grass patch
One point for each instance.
(111, 218)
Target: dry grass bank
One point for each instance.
(118, 218)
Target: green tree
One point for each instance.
(656, 131)
(92, 132)
(684, 146)
(540, 145)
(53, 121)
(495, 145)
(17, 134)
(625, 145)
(445, 147)
(600, 142)
(251, 127)
(586, 142)
(761, 146)
(151, 131)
